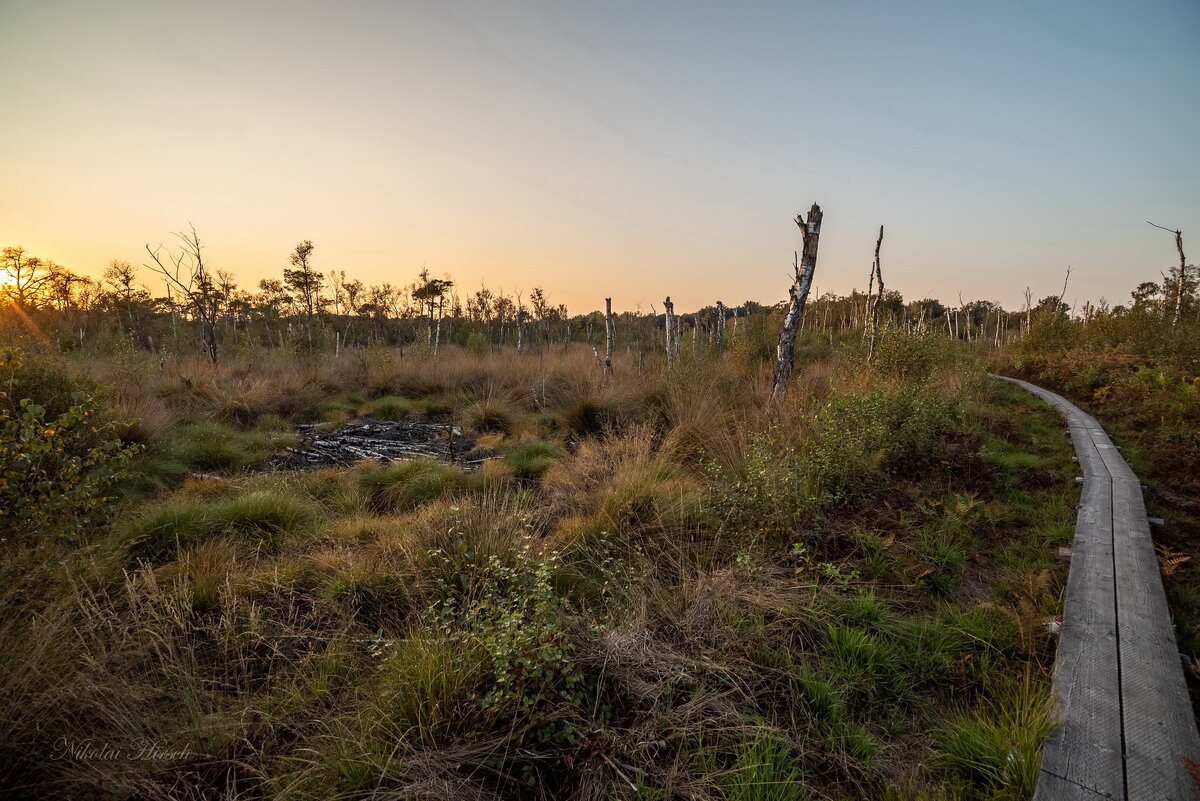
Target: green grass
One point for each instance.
(216, 447)
(765, 770)
(995, 750)
(263, 518)
(531, 459)
(406, 485)
(392, 408)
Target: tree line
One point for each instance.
(308, 310)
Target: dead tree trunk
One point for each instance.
(608, 335)
(720, 328)
(1181, 284)
(874, 302)
(670, 326)
(802, 276)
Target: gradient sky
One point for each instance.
(631, 149)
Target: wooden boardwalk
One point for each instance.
(1127, 729)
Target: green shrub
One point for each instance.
(912, 355)
(857, 441)
(510, 610)
(768, 495)
(477, 344)
(41, 379)
(861, 438)
(58, 474)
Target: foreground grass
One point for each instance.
(660, 590)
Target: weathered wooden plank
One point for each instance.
(1083, 758)
(1154, 722)
(1160, 730)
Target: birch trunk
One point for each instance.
(720, 328)
(802, 271)
(670, 326)
(608, 335)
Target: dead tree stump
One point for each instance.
(802, 276)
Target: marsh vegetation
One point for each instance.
(649, 584)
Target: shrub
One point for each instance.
(510, 610)
(477, 344)
(862, 437)
(57, 473)
(769, 494)
(911, 355)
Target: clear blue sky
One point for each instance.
(626, 149)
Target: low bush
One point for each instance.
(508, 608)
(59, 470)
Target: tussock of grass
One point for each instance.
(995, 750)
(490, 416)
(215, 447)
(764, 770)
(263, 518)
(391, 407)
(530, 460)
(406, 485)
(589, 418)
(152, 472)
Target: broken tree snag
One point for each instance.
(720, 328)
(1181, 284)
(670, 325)
(802, 276)
(608, 335)
(874, 302)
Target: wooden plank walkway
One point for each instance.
(1127, 728)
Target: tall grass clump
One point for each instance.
(530, 460)
(263, 518)
(406, 485)
(219, 447)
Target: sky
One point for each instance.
(630, 150)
